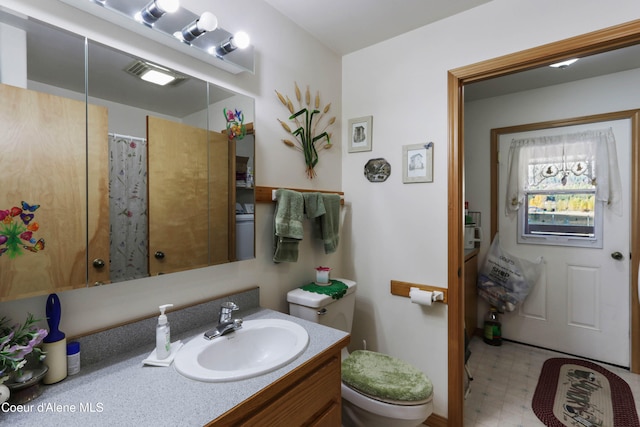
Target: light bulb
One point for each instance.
(564, 64)
(168, 6)
(241, 40)
(207, 22)
(155, 9)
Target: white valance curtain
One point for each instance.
(597, 147)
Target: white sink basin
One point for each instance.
(260, 346)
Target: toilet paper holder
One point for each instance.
(403, 289)
(435, 295)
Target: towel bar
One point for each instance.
(273, 195)
(267, 194)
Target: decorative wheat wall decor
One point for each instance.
(310, 134)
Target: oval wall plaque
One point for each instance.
(377, 170)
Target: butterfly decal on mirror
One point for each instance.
(35, 248)
(17, 231)
(27, 207)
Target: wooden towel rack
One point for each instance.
(264, 194)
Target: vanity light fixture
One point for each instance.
(196, 35)
(564, 64)
(155, 10)
(206, 22)
(239, 40)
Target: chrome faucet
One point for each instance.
(226, 323)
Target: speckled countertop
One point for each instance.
(121, 391)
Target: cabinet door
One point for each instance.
(178, 196)
(219, 196)
(98, 194)
(313, 401)
(332, 417)
(43, 206)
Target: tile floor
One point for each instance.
(504, 381)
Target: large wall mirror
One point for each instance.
(109, 177)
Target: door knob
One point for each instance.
(159, 255)
(98, 263)
(617, 256)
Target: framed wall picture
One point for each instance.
(360, 132)
(417, 163)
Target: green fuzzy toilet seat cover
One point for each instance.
(385, 377)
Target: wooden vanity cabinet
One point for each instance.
(307, 396)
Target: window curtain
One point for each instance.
(598, 147)
(128, 207)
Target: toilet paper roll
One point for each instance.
(421, 297)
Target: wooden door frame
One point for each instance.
(587, 44)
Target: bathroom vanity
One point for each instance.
(114, 388)
(308, 395)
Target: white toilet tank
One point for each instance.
(322, 309)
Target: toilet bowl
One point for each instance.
(366, 402)
(359, 410)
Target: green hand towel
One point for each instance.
(313, 205)
(286, 249)
(330, 223)
(289, 213)
(287, 225)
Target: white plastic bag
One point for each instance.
(505, 280)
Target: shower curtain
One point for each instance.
(128, 207)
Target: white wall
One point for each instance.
(283, 56)
(399, 231)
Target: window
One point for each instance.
(561, 218)
(560, 186)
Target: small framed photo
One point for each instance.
(360, 132)
(417, 163)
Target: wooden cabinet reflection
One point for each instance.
(182, 221)
(46, 244)
(54, 203)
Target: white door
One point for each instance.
(581, 303)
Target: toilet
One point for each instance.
(370, 397)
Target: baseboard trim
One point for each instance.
(436, 420)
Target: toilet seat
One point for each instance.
(382, 409)
(385, 378)
(391, 401)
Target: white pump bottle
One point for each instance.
(163, 334)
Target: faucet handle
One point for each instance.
(229, 306)
(225, 311)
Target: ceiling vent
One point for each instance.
(140, 69)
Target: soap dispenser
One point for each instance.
(163, 334)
